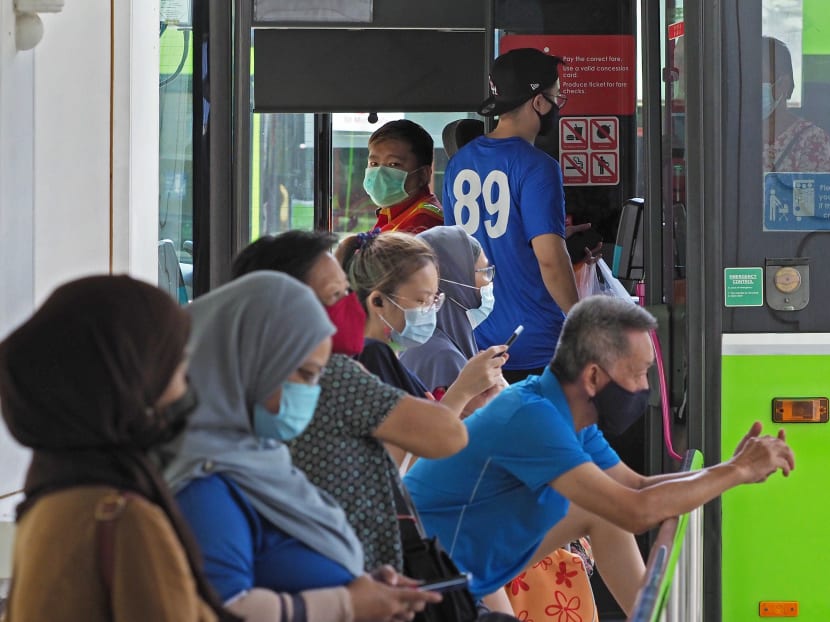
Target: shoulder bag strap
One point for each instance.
(106, 516)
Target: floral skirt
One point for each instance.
(557, 589)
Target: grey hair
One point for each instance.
(596, 331)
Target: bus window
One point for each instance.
(352, 210)
(282, 173)
(175, 141)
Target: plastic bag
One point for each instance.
(587, 283)
(610, 285)
(593, 280)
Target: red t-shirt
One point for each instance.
(414, 214)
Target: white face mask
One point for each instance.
(480, 313)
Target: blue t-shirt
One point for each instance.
(491, 504)
(505, 192)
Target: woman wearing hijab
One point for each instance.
(342, 449)
(258, 347)
(467, 282)
(91, 382)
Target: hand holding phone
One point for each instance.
(446, 585)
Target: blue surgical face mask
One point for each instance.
(297, 406)
(385, 185)
(418, 329)
(482, 312)
(768, 103)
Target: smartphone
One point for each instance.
(446, 585)
(514, 336)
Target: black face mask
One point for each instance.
(170, 421)
(547, 120)
(618, 408)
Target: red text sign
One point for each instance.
(599, 72)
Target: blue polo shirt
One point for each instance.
(491, 504)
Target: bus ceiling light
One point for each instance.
(28, 29)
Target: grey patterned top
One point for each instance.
(339, 454)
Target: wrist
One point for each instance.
(456, 398)
(736, 472)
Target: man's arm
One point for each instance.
(557, 270)
(626, 476)
(637, 510)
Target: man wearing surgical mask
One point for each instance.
(397, 178)
(791, 143)
(538, 472)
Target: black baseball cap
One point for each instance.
(517, 76)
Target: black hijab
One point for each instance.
(78, 384)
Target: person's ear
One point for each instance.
(590, 379)
(374, 300)
(540, 102)
(425, 174)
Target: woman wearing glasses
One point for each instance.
(395, 277)
(467, 281)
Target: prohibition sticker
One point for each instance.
(575, 168)
(604, 132)
(574, 134)
(604, 167)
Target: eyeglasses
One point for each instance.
(489, 272)
(558, 100)
(435, 305)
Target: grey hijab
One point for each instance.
(439, 360)
(246, 338)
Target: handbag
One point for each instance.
(557, 587)
(425, 559)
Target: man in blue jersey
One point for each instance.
(509, 196)
(537, 471)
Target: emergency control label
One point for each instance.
(743, 287)
(589, 151)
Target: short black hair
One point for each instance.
(293, 252)
(409, 132)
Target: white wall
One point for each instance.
(56, 210)
(71, 142)
(136, 138)
(16, 219)
(16, 175)
(74, 205)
